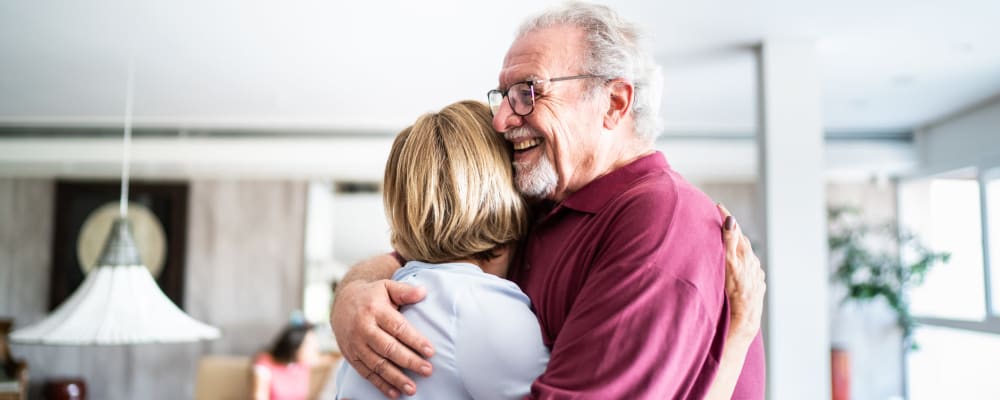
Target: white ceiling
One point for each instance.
(373, 66)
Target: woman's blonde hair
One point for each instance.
(449, 192)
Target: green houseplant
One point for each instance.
(867, 261)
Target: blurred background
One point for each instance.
(261, 131)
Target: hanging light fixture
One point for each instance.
(119, 302)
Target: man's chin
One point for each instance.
(529, 156)
(535, 178)
(531, 185)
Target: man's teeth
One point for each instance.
(527, 144)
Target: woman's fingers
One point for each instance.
(745, 284)
(730, 234)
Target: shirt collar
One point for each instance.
(592, 197)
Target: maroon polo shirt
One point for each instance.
(626, 276)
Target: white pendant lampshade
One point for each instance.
(119, 302)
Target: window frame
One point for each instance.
(986, 170)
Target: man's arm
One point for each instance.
(371, 333)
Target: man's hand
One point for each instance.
(745, 285)
(375, 338)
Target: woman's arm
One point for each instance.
(745, 288)
(261, 383)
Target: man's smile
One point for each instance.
(527, 144)
(523, 149)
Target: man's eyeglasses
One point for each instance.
(521, 95)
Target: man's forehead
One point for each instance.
(519, 69)
(539, 53)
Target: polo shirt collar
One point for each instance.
(592, 197)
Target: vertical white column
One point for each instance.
(790, 144)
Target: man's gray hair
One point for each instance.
(615, 48)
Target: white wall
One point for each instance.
(966, 138)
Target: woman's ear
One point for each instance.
(619, 104)
(498, 265)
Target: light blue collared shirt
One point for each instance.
(487, 341)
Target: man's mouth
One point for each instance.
(527, 144)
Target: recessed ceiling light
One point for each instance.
(903, 80)
(963, 47)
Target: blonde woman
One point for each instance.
(454, 212)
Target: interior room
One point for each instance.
(857, 143)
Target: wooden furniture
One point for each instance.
(14, 373)
(230, 377)
(65, 389)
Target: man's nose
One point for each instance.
(504, 119)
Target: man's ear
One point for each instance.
(620, 103)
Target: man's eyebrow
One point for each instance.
(524, 78)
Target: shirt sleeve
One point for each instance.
(498, 344)
(645, 324)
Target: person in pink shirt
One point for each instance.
(282, 372)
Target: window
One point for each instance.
(958, 307)
(943, 211)
(953, 364)
(992, 184)
(345, 223)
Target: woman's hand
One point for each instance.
(745, 285)
(745, 289)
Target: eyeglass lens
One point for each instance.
(521, 97)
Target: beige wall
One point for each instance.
(243, 275)
(25, 235)
(245, 259)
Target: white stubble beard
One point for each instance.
(536, 180)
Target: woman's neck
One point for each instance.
(495, 266)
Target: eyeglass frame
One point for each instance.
(531, 85)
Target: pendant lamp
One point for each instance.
(118, 302)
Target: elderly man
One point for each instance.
(623, 263)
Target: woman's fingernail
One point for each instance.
(730, 223)
(408, 388)
(428, 351)
(425, 370)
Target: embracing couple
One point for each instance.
(590, 269)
